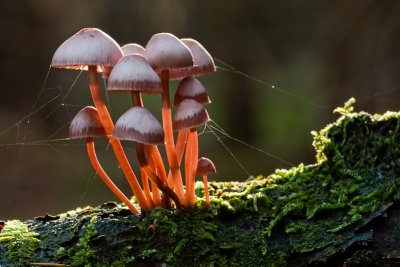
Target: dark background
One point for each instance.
(317, 54)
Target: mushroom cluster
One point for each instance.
(138, 70)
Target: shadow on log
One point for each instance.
(342, 211)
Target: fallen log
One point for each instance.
(342, 211)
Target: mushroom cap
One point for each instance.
(203, 63)
(132, 48)
(189, 114)
(191, 88)
(165, 51)
(89, 46)
(139, 124)
(133, 73)
(205, 166)
(86, 124)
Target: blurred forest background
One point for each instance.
(317, 54)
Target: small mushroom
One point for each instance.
(165, 52)
(205, 167)
(203, 63)
(191, 88)
(133, 74)
(94, 50)
(86, 124)
(189, 115)
(139, 125)
(132, 48)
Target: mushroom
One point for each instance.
(203, 63)
(204, 167)
(138, 124)
(94, 50)
(191, 88)
(86, 124)
(189, 115)
(166, 52)
(133, 74)
(132, 48)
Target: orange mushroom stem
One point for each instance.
(194, 143)
(143, 163)
(169, 137)
(106, 179)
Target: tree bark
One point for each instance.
(342, 211)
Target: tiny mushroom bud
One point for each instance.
(129, 49)
(94, 50)
(190, 114)
(203, 63)
(205, 167)
(86, 124)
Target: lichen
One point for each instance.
(19, 241)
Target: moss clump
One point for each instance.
(20, 243)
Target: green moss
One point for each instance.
(60, 253)
(82, 253)
(19, 241)
(362, 258)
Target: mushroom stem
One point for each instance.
(169, 138)
(144, 163)
(146, 189)
(180, 148)
(191, 159)
(206, 193)
(103, 175)
(157, 167)
(181, 143)
(162, 186)
(137, 99)
(108, 125)
(152, 150)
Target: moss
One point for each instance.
(82, 253)
(361, 258)
(60, 253)
(19, 241)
